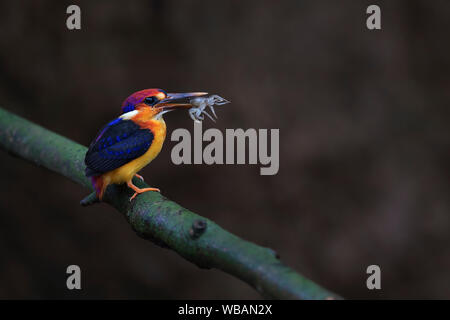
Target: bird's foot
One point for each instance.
(139, 176)
(142, 191)
(139, 190)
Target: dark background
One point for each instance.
(364, 158)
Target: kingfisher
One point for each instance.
(130, 142)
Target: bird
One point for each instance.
(130, 142)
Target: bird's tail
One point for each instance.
(99, 185)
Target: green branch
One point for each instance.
(162, 221)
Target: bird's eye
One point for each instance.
(151, 101)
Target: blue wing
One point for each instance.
(118, 143)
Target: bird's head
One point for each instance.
(158, 102)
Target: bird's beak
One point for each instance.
(178, 100)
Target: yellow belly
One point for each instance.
(126, 172)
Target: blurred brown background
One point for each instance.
(364, 158)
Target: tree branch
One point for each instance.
(162, 221)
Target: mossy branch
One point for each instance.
(162, 221)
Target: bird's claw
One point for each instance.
(139, 176)
(142, 191)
